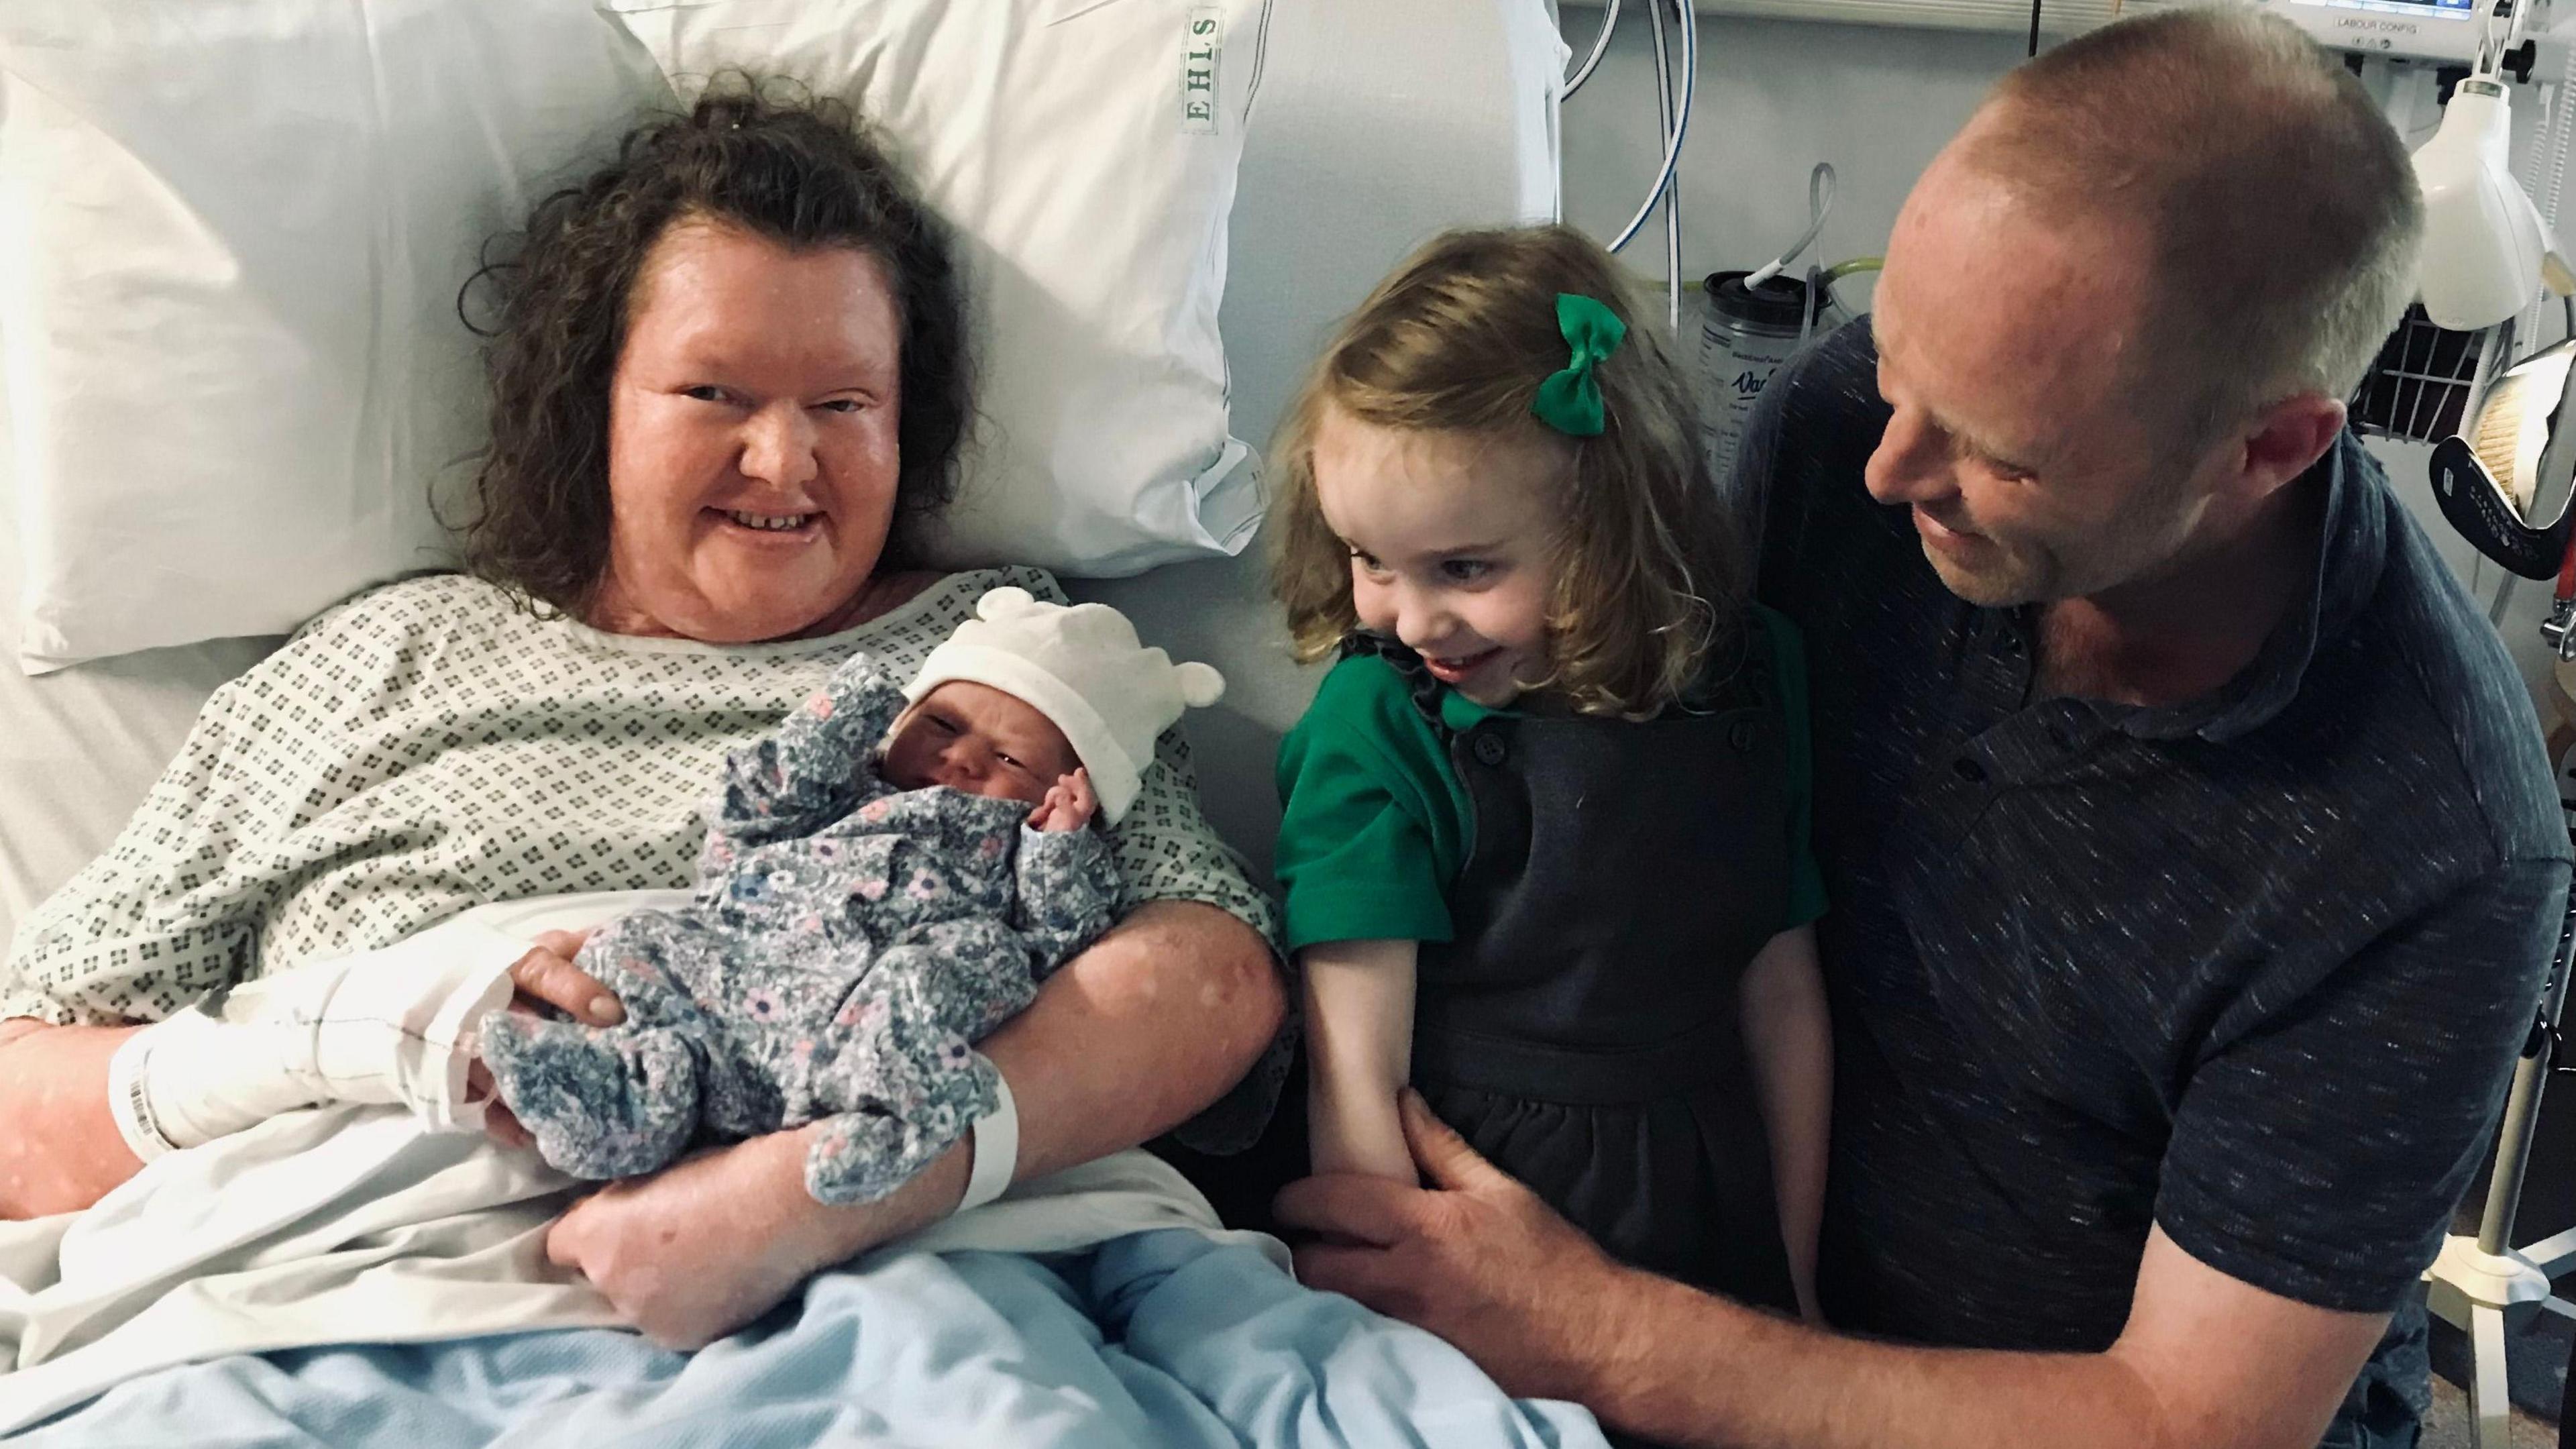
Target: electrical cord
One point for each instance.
(1673, 254)
(1600, 44)
(1680, 127)
(1673, 185)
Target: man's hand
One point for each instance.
(2205, 1361)
(1477, 1259)
(704, 1246)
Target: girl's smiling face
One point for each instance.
(1452, 539)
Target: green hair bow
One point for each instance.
(1570, 400)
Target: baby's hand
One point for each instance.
(1069, 804)
(498, 1122)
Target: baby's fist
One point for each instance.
(1069, 803)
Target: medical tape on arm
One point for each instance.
(393, 1026)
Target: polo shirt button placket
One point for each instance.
(2013, 660)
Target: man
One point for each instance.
(2195, 865)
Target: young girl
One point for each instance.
(1544, 848)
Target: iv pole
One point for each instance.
(2483, 1285)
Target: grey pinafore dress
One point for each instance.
(1583, 1030)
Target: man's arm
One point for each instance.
(2205, 1362)
(1135, 1035)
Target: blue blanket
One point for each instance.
(1160, 1338)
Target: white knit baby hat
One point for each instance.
(1081, 666)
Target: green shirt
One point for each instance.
(1377, 825)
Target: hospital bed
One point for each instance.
(1377, 123)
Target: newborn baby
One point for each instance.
(887, 879)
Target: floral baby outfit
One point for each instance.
(849, 943)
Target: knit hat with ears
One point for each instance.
(1081, 666)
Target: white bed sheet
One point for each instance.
(1378, 123)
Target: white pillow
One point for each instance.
(1084, 154)
(231, 238)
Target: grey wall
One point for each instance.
(1775, 97)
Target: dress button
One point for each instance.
(1968, 770)
(1741, 736)
(1489, 750)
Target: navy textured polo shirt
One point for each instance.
(2253, 968)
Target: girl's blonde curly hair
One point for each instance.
(1649, 577)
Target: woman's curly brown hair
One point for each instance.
(1649, 575)
(778, 163)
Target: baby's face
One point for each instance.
(975, 738)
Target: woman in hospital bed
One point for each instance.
(729, 382)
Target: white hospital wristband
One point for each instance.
(997, 1150)
(130, 1104)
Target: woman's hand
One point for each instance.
(704, 1246)
(545, 977)
(1129, 1038)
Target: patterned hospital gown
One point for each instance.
(426, 747)
(848, 943)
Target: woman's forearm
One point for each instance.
(61, 1151)
(1138, 1034)
(1133, 1037)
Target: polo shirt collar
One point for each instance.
(2353, 546)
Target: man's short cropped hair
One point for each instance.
(2282, 220)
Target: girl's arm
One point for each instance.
(1359, 1050)
(1792, 1049)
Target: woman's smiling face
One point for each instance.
(752, 448)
